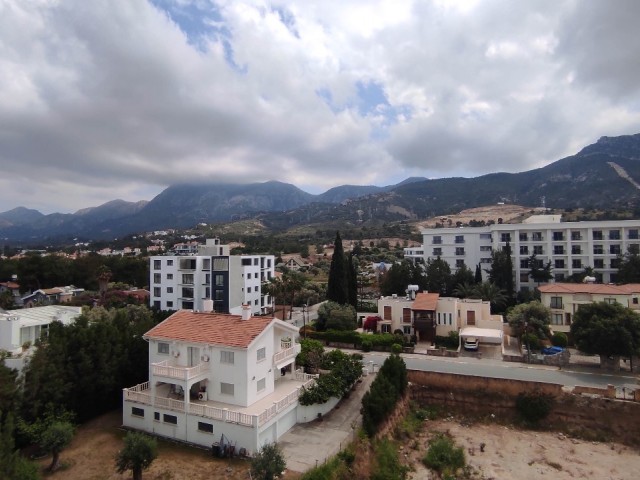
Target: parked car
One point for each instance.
(471, 344)
(552, 350)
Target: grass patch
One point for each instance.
(444, 456)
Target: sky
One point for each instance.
(118, 99)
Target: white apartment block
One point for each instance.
(569, 246)
(192, 282)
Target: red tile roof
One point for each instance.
(590, 288)
(425, 301)
(210, 328)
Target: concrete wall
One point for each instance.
(308, 413)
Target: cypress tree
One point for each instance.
(337, 290)
(478, 276)
(352, 284)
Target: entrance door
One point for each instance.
(471, 317)
(194, 356)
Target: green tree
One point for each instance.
(534, 314)
(439, 279)
(538, 271)
(477, 277)
(606, 329)
(55, 438)
(311, 355)
(352, 282)
(333, 316)
(276, 290)
(462, 275)
(490, 292)
(138, 454)
(337, 289)
(501, 272)
(13, 465)
(396, 280)
(292, 284)
(629, 267)
(268, 463)
(6, 300)
(465, 290)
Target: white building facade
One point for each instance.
(218, 378)
(569, 246)
(230, 281)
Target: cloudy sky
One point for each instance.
(107, 99)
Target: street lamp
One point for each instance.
(304, 321)
(526, 334)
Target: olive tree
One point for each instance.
(138, 454)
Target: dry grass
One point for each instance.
(92, 452)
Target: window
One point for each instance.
(524, 263)
(226, 388)
(558, 250)
(597, 234)
(537, 250)
(157, 264)
(524, 277)
(170, 263)
(559, 277)
(634, 248)
(156, 304)
(219, 280)
(615, 263)
(187, 305)
(556, 319)
(406, 315)
(633, 234)
(248, 289)
(523, 236)
(169, 289)
(246, 262)
(385, 328)
(505, 237)
(137, 412)
(205, 427)
(459, 238)
(559, 264)
(169, 276)
(576, 263)
(221, 264)
(262, 354)
(598, 263)
(156, 416)
(256, 261)
(157, 292)
(172, 419)
(187, 278)
(536, 236)
(206, 264)
(558, 236)
(634, 300)
(169, 304)
(226, 357)
(187, 292)
(614, 249)
(614, 234)
(556, 302)
(524, 250)
(459, 263)
(262, 383)
(610, 301)
(613, 278)
(576, 249)
(437, 252)
(157, 278)
(218, 295)
(598, 250)
(485, 248)
(459, 250)
(163, 348)
(437, 240)
(576, 236)
(387, 312)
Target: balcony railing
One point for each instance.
(163, 369)
(285, 354)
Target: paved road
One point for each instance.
(512, 371)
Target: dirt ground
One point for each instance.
(91, 456)
(491, 212)
(513, 454)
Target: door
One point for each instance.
(194, 356)
(471, 317)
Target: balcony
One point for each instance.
(283, 357)
(163, 369)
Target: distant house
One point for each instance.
(294, 262)
(429, 315)
(51, 296)
(25, 326)
(216, 376)
(564, 299)
(14, 288)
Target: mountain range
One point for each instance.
(604, 175)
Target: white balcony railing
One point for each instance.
(163, 369)
(285, 354)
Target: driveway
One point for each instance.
(309, 444)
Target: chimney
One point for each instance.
(246, 311)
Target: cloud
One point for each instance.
(118, 99)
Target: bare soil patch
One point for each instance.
(91, 456)
(508, 214)
(515, 454)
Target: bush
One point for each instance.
(560, 339)
(444, 457)
(534, 406)
(451, 341)
(532, 340)
(366, 346)
(396, 348)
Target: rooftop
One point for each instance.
(590, 288)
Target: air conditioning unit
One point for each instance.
(204, 358)
(176, 353)
(202, 396)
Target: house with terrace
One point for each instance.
(219, 379)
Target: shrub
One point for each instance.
(371, 323)
(532, 340)
(396, 348)
(366, 346)
(444, 457)
(560, 339)
(451, 341)
(534, 406)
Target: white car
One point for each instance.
(471, 344)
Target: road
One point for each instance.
(507, 370)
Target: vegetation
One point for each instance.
(338, 285)
(344, 371)
(532, 317)
(606, 329)
(560, 339)
(54, 439)
(138, 454)
(451, 341)
(444, 456)
(629, 267)
(501, 272)
(268, 463)
(400, 275)
(534, 406)
(335, 316)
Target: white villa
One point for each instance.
(220, 379)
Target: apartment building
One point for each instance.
(569, 246)
(191, 282)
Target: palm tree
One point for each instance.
(491, 293)
(466, 290)
(275, 289)
(292, 283)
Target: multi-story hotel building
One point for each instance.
(191, 282)
(569, 246)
